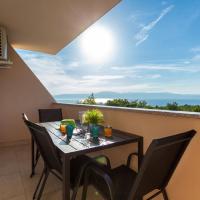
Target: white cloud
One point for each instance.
(196, 54)
(174, 67)
(103, 77)
(186, 62)
(143, 34)
(180, 86)
(155, 76)
(97, 80)
(73, 64)
(120, 88)
(195, 49)
(196, 58)
(144, 77)
(57, 81)
(51, 72)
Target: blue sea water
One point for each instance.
(153, 102)
(163, 102)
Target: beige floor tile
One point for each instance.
(29, 184)
(22, 197)
(55, 195)
(8, 161)
(23, 159)
(10, 186)
(15, 181)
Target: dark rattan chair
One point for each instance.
(45, 115)
(158, 166)
(53, 162)
(50, 115)
(35, 154)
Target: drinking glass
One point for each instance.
(80, 116)
(70, 130)
(83, 127)
(108, 131)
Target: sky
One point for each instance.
(153, 46)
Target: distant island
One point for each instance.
(164, 101)
(133, 95)
(152, 98)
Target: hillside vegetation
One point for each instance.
(143, 104)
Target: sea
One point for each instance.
(153, 102)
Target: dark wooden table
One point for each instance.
(82, 144)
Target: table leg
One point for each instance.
(66, 177)
(140, 152)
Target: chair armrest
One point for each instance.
(98, 170)
(102, 159)
(130, 157)
(93, 161)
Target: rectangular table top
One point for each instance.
(83, 143)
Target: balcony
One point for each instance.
(15, 159)
(21, 91)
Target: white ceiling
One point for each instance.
(49, 25)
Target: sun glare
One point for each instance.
(97, 44)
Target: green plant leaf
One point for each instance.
(93, 116)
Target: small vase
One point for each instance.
(94, 129)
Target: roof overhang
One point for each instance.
(49, 25)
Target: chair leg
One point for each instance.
(85, 188)
(165, 196)
(154, 195)
(78, 181)
(36, 157)
(38, 185)
(43, 184)
(32, 158)
(75, 191)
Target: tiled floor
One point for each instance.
(15, 183)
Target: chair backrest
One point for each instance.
(50, 115)
(159, 163)
(45, 145)
(25, 119)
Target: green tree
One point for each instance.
(133, 104)
(90, 100)
(118, 102)
(172, 106)
(141, 104)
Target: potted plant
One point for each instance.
(93, 118)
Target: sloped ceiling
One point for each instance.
(49, 25)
